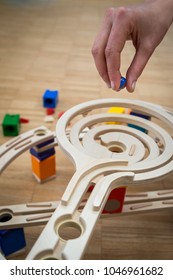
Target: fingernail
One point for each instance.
(108, 85)
(133, 85)
(112, 85)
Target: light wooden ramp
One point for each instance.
(110, 156)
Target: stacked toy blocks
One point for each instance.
(12, 241)
(50, 98)
(43, 162)
(11, 125)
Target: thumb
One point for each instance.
(137, 66)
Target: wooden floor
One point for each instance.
(46, 44)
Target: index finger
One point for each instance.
(116, 41)
(98, 49)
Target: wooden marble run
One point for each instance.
(107, 156)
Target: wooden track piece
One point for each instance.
(23, 215)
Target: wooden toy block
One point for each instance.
(24, 120)
(12, 240)
(45, 143)
(42, 155)
(116, 110)
(115, 201)
(49, 119)
(91, 187)
(138, 128)
(50, 98)
(141, 116)
(134, 113)
(11, 125)
(50, 111)
(44, 169)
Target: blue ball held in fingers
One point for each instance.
(122, 83)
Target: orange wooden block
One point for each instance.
(43, 169)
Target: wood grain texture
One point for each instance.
(47, 45)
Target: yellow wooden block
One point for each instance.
(116, 110)
(43, 169)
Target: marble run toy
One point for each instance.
(105, 156)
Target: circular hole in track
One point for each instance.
(69, 230)
(48, 258)
(5, 217)
(116, 149)
(40, 132)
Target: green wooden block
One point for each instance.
(11, 125)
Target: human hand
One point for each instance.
(145, 24)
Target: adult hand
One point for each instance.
(145, 24)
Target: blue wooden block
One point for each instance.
(141, 116)
(12, 240)
(42, 155)
(50, 98)
(43, 144)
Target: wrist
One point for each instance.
(164, 8)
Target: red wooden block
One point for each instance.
(115, 201)
(60, 114)
(23, 120)
(50, 111)
(91, 187)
